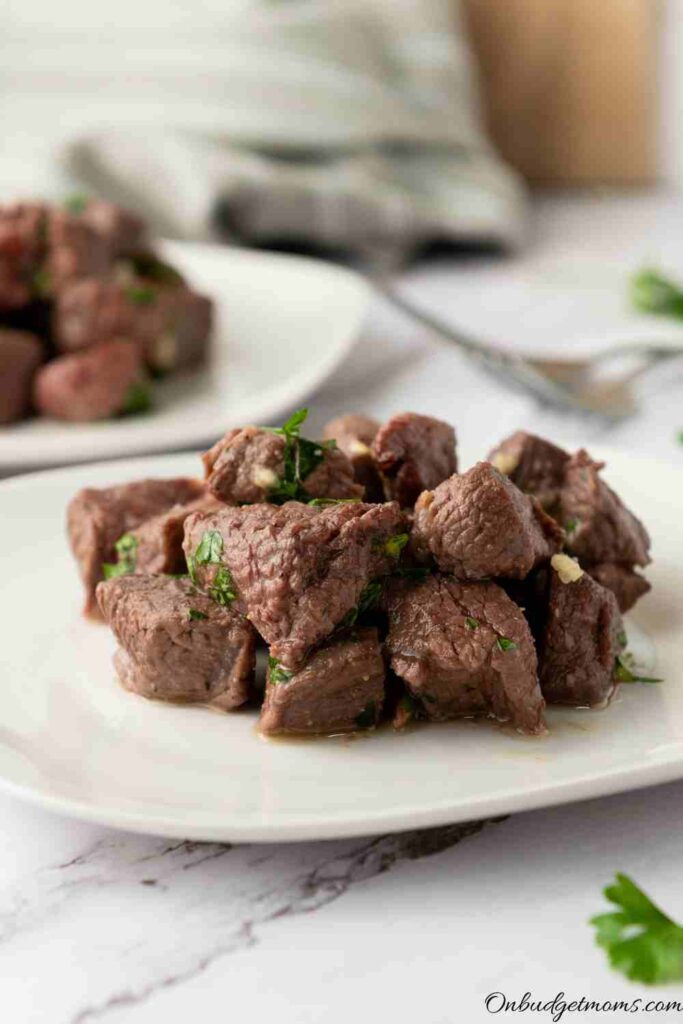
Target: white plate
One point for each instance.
(284, 324)
(72, 740)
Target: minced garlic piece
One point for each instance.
(358, 448)
(264, 477)
(566, 568)
(505, 462)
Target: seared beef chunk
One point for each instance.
(354, 434)
(159, 540)
(627, 585)
(580, 646)
(536, 466)
(599, 527)
(176, 644)
(22, 243)
(479, 525)
(170, 326)
(339, 689)
(73, 249)
(97, 518)
(297, 570)
(248, 466)
(414, 453)
(122, 231)
(20, 355)
(92, 385)
(464, 649)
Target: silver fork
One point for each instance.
(579, 385)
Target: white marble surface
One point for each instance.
(98, 925)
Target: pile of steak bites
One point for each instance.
(386, 584)
(88, 312)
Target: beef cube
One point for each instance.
(534, 465)
(92, 385)
(626, 584)
(122, 231)
(478, 525)
(246, 467)
(582, 638)
(176, 644)
(339, 689)
(159, 540)
(599, 527)
(464, 649)
(354, 435)
(20, 355)
(74, 250)
(22, 246)
(97, 518)
(170, 326)
(298, 570)
(414, 454)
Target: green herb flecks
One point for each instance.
(640, 940)
(150, 267)
(471, 623)
(140, 294)
(652, 292)
(277, 673)
(194, 615)
(209, 551)
(368, 716)
(300, 458)
(222, 589)
(324, 502)
(622, 638)
(369, 597)
(571, 526)
(138, 399)
(126, 558)
(623, 671)
(505, 644)
(76, 204)
(393, 546)
(210, 548)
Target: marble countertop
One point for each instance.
(97, 925)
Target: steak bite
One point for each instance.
(478, 525)
(247, 466)
(92, 385)
(354, 434)
(298, 570)
(20, 355)
(122, 231)
(98, 518)
(159, 540)
(533, 464)
(581, 642)
(22, 245)
(464, 649)
(73, 249)
(414, 453)
(599, 526)
(627, 585)
(176, 644)
(339, 689)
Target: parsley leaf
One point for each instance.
(471, 623)
(300, 458)
(393, 546)
(324, 502)
(138, 399)
(624, 674)
(140, 295)
(209, 552)
(651, 292)
(640, 940)
(127, 557)
(195, 615)
(209, 549)
(571, 526)
(222, 590)
(369, 596)
(505, 644)
(76, 204)
(277, 673)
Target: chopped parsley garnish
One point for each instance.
(209, 552)
(505, 644)
(640, 940)
(153, 269)
(368, 716)
(138, 399)
(369, 597)
(624, 674)
(393, 546)
(195, 615)
(41, 283)
(127, 557)
(324, 502)
(140, 295)
(622, 639)
(651, 292)
(76, 204)
(471, 623)
(277, 673)
(571, 526)
(300, 458)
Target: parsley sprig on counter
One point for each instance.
(126, 558)
(640, 940)
(301, 457)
